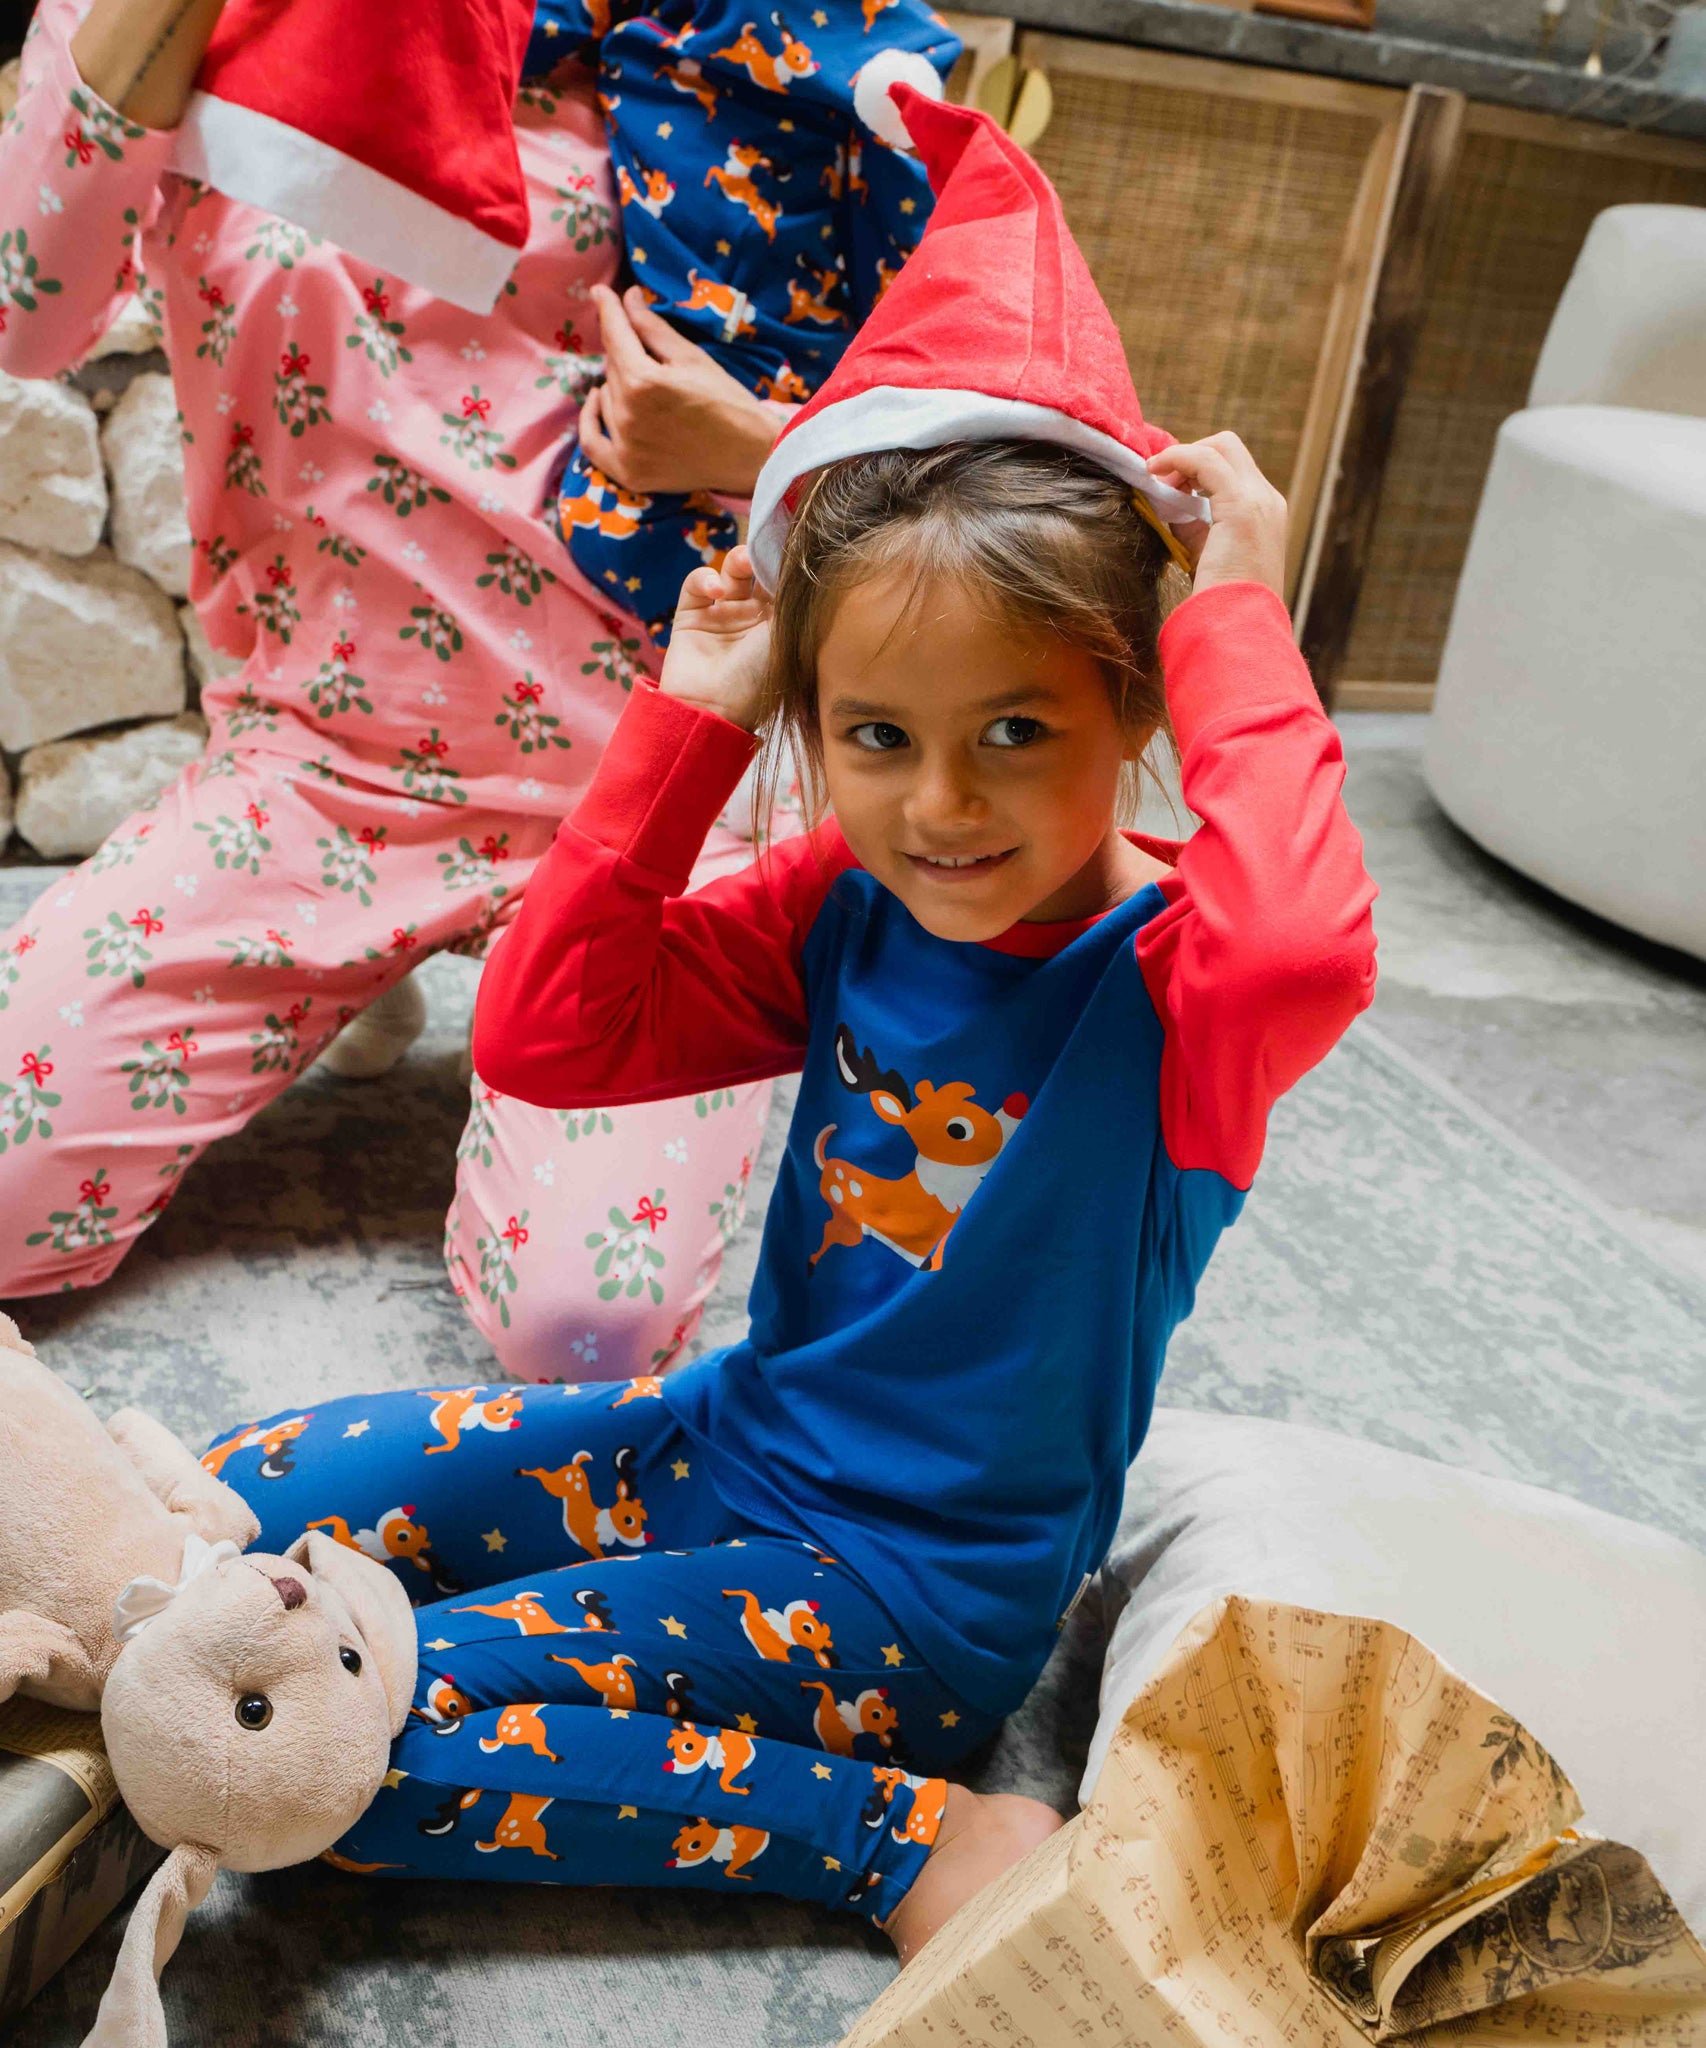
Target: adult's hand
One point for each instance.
(667, 417)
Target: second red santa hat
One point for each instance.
(385, 129)
(994, 330)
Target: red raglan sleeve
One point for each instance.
(612, 985)
(1265, 951)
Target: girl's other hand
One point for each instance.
(667, 417)
(720, 646)
(1246, 542)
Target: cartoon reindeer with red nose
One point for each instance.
(958, 1141)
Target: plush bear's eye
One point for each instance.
(254, 1710)
(350, 1660)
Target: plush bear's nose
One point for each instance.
(292, 1592)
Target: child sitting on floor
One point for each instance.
(810, 1573)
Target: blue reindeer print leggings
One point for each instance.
(621, 1681)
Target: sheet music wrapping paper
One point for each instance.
(1310, 1830)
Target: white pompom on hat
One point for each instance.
(871, 101)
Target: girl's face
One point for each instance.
(973, 765)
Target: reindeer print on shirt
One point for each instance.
(957, 1139)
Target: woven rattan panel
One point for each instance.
(1213, 228)
(1518, 215)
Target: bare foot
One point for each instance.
(982, 1834)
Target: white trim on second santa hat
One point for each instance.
(263, 162)
(897, 416)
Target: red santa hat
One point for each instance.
(387, 130)
(994, 330)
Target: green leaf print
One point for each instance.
(335, 687)
(404, 489)
(277, 241)
(586, 221)
(118, 947)
(20, 275)
(243, 462)
(73, 1230)
(219, 330)
(299, 404)
(344, 865)
(23, 1099)
(275, 608)
(99, 127)
(613, 659)
(515, 574)
(437, 629)
(628, 1262)
(426, 773)
(377, 332)
(470, 439)
(526, 718)
(159, 1076)
(584, 1123)
(271, 949)
(238, 843)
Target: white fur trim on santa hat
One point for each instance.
(262, 162)
(891, 416)
(871, 84)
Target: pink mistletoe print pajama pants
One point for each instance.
(426, 686)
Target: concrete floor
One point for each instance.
(1586, 1042)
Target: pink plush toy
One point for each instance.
(247, 1702)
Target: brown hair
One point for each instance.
(1052, 539)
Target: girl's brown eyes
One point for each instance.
(877, 736)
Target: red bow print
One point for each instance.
(257, 816)
(279, 939)
(435, 748)
(566, 338)
(35, 1068)
(211, 295)
(343, 649)
(241, 435)
(25, 943)
(95, 1191)
(294, 1016)
(374, 841)
(649, 1213)
(278, 573)
(182, 1042)
(147, 923)
(294, 363)
(376, 301)
(491, 848)
(75, 139)
(475, 408)
(401, 940)
(516, 1232)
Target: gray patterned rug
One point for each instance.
(1403, 1273)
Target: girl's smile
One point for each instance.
(973, 764)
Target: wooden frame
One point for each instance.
(1395, 301)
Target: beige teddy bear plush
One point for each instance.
(247, 1702)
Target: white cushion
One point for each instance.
(1589, 1629)
(1628, 330)
(1568, 731)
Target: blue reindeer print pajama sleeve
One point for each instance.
(621, 1681)
(759, 215)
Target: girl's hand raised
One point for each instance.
(720, 645)
(1246, 542)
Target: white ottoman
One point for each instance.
(1568, 733)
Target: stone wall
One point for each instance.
(101, 659)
